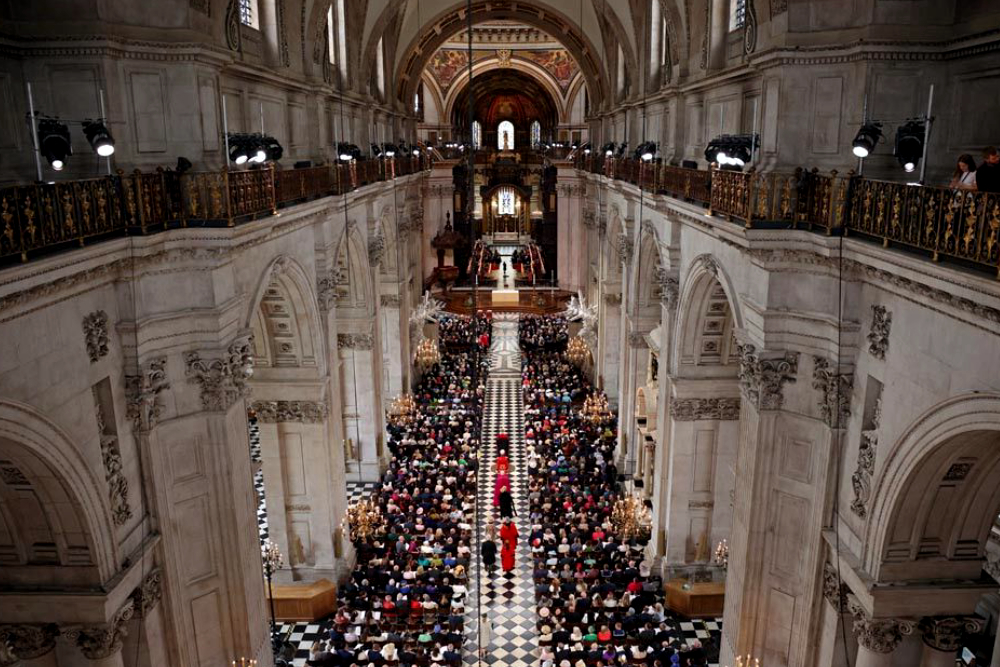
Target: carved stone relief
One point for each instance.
(28, 641)
(142, 394)
(114, 472)
(98, 642)
(376, 249)
(355, 341)
(233, 37)
(95, 332)
(222, 381)
(306, 412)
(861, 479)
(390, 300)
(668, 286)
(762, 380)
(947, 633)
(637, 340)
(613, 299)
(148, 594)
(835, 393)
(878, 334)
(880, 635)
(694, 409)
(834, 590)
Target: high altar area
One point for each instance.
(285, 281)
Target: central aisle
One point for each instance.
(508, 600)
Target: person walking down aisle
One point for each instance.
(488, 548)
(506, 504)
(508, 534)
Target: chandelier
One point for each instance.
(722, 554)
(403, 405)
(629, 517)
(577, 351)
(747, 661)
(364, 518)
(595, 408)
(427, 354)
(245, 663)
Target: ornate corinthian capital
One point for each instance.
(306, 412)
(946, 633)
(880, 635)
(222, 381)
(762, 381)
(27, 642)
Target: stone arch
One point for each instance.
(676, 30)
(649, 264)
(540, 74)
(938, 494)
(614, 28)
(708, 318)
(355, 291)
(55, 486)
(285, 319)
(444, 25)
(431, 86)
(386, 229)
(616, 227)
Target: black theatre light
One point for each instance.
(54, 142)
(390, 150)
(608, 149)
(867, 138)
(586, 148)
(910, 144)
(376, 150)
(239, 148)
(731, 150)
(99, 137)
(646, 151)
(622, 147)
(258, 153)
(344, 152)
(272, 149)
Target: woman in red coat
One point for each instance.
(508, 534)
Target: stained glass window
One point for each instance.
(248, 13)
(737, 14)
(536, 133)
(505, 201)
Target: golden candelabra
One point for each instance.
(722, 554)
(629, 516)
(577, 351)
(403, 405)
(427, 354)
(595, 408)
(364, 518)
(245, 663)
(747, 661)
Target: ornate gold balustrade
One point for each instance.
(954, 224)
(42, 217)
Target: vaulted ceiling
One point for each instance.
(505, 94)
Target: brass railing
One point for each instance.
(46, 216)
(944, 223)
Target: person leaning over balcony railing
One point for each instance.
(988, 173)
(964, 177)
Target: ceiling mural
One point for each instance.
(557, 62)
(448, 64)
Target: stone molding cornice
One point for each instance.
(304, 412)
(762, 380)
(355, 341)
(695, 409)
(223, 381)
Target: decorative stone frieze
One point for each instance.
(878, 334)
(694, 409)
(668, 286)
(613, 299)
(861, 479)
(26, 641)
(222, 381)
(354, 341)
(946, 633)
(624, 246)
(749, 28)
(835, 393)
(589, 221)
(95, 333)
(279, 267)
(834, 590)
(233, 38)
(12, 475)
(376, 249)
(142, 394)
(390, 300)
(98, 642)
(305, 412)
(283, 52)
(148, 594)
(880, 635)
(114, 472)
(637, 340)
(762, 380)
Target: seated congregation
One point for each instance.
(598, 604)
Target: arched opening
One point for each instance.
(505, 135)
(505, 96)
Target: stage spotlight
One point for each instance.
(54, 142)
(344, 152)
(622, 147)
(376, 151)
(239, 148)
(608, 149)
(731, 150)
(257, 152)
(390, 150)
(99, 137)
(910, 144)
(646, 151)
(272, 149)
(586, 148)
(867, 138)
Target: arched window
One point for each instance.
(536, 133)
(505, 135)
(737, 14)
(380, 67)
(248, 13)
(331, 31)
(477, 134)
(342, 39)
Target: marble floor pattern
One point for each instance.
(509, 601)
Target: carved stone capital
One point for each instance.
(148, 594)
(834, 590)
(762, 380)
(390, 300)
(355, 341)
(879, 635)
(694, 409)
(878, 334)
(945, 633)
(624, 246)
(669, 288)
(142, 394)
(835, 393)
(306, 412)
(222, 381)
(376, 249)
(97, 642)
(95, 333)
(613, 299)
(27, 641)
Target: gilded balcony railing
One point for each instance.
(47, 216)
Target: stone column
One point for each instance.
(571, 248)
(28, 644)
(102, 644)
(878, 638)
(363, 416)
(943, 638)
(609, 359)
(636, 353)
(395, 338)
(661, 463)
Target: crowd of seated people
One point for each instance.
(483, 260)
(543, 332)
(598, 605)
(458, 332)
(404, 602)
(527, 261)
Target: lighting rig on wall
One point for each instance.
(51, 139)
(911, 141)
(347, 152)
(646, 151)
(253, 148)
(732, 151)
(608, 149)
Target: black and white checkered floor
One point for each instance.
(509, 600)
